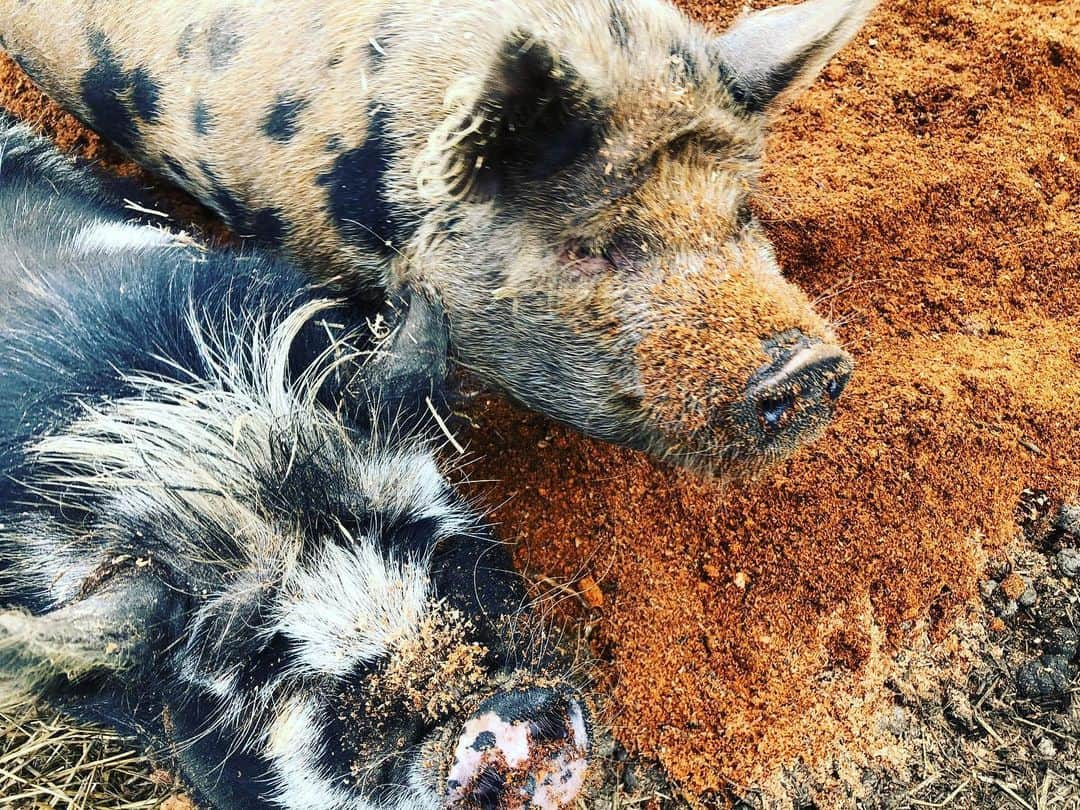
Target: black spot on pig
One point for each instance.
(484, 741)
(268, 226)
(357, 194)
(223, 40)
(280, 123)
(145, 95)
(536, 117)
(201, 119)
(103, 88)
(183, 42)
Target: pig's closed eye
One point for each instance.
(625, 252)
(621, 254)
(581, 260)
(696, 143)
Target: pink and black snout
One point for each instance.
(522, 748)
(792, 398)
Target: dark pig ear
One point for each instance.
(411, 362)
(768, 56)
(109, 630)
(534, 116)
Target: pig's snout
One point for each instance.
(522, 748)
(796, 393)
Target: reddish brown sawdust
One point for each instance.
(21, 98)
(926, 191)
(1013, 586)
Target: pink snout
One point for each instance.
(524, 748)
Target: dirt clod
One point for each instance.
(591, 593)
(1068, 561)
(1013, 586)
(1046, 680)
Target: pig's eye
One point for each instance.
(697, 143)
(580, 259)
(622, 253)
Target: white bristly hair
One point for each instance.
(202, 443)
(120, 237)
(350, 606)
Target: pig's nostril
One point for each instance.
(773, 409)
(796, 392)
(488, 790)
(549, 727)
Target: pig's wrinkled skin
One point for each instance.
(569, 178)
(223, 530)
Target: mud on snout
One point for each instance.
(738, 371)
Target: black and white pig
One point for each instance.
(224, 532)
(570, 178)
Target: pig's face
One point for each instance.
(351, 638)
(599, 259)
(389, 664)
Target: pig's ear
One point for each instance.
(412, 361)
(109, 630)
(531, 116)
(768, 56)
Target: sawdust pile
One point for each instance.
(927, 193)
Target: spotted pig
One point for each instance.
(569, 178)
(223, 531)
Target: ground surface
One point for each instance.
(856, 628)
